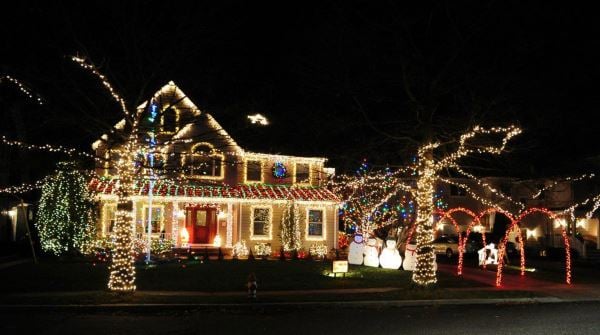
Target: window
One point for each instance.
(157, 216)
(110, 218)
(302, 173)
(201, 218)
(261, 222)
(169, 120)
(205, 162)
(456, 191)
(315, 222)
(206, 166)
(253, 171)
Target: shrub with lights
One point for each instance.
(66, 218)
(290, 227)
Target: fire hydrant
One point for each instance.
(252, 286)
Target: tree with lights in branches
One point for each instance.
(132, 157)
(423, 175)
(127, 165)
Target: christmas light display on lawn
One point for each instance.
(425, 172)
(514, 226)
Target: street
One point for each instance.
(551, 318)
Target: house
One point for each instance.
(538, 230)
(208, 190)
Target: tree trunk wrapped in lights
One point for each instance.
(122, 269)
(424, 273)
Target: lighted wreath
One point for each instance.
(279, 170)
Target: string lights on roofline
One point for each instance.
(21, 87)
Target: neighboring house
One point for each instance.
(537, 229)
(208, 188)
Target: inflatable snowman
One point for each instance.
(410, 258)
(390, 257)
(355, 251)
(371, 253)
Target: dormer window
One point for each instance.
(253, 171)
(205, 162)
(169, 120)
(302, 174)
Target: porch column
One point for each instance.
(336, 218)
(598, 234)
(175, 223)
(229, 234)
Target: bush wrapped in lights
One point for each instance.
(262, 249)
(318, 250)
(240, 250)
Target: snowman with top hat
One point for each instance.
(356, 249)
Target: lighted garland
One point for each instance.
(66, 220)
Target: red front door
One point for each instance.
(201, 224)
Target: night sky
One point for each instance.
(344, 80)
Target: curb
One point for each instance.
(281, 305)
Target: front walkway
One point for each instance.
(514, 282)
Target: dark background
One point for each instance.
(340, 79)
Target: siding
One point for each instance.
(275, 241)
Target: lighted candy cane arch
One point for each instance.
(515, 224)
(462, 241)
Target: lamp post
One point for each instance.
(26, 226)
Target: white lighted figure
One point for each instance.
(410, 258)
(185, 237)
(371, 253)
(257, 118)
(484, 258)
(355, 251)
(390, 257)
(217, 241)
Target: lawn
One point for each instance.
(85, 283)
(213, 276)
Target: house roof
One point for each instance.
(188, 189)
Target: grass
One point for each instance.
(213, 276)
(86, 283)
